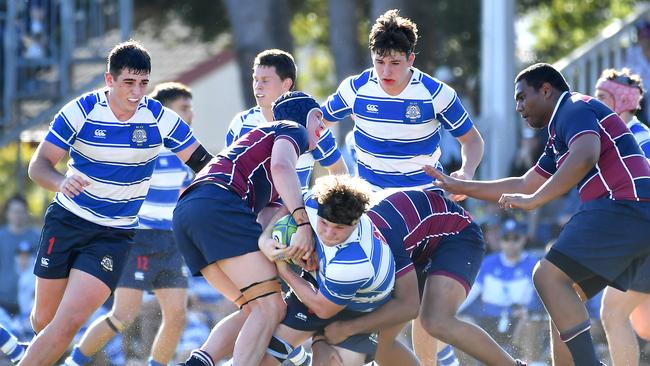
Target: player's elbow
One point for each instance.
(281, 167)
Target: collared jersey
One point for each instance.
(245, 166)
(117, 157)
(421, 219)
(622, 171)
(326, 151)
(169, 176)
(395, 136)
(641, 134)
(358, 273)
(502, 284)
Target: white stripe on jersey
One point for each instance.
(378, 281)
(116, 157)
(413, 118)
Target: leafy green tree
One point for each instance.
(560, 26)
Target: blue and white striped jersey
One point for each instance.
(395, 136)
(641, 134)
(169, 176)
(117, 157)
(326, 152)
(358, 273)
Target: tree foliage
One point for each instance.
(560, 26)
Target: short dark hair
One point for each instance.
(342, 199)
(392, 32)
(540, 73)
(16, 197)
(129, 55)
(284, 64)
(168, 92)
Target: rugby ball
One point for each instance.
(284, 229)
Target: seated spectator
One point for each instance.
(503, 292)
(17, 232)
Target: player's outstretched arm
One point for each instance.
(583, 155)
(402, 307)
(490, 190)
(41, 170)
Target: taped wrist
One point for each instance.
(200, 158)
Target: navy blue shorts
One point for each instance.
(604, 243)
(68, 241)
(299, 317)
(457, 256)
(146, 270)
(641, 280)
(212, 223)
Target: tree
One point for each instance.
(560, 26)
(256, 26)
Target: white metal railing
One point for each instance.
(583, 66)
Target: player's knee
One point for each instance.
(175, 319)
(115, 323)
(438, 325)
(265, 297)
(40, 318)
(124, 316)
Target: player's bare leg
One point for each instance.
(425, 346)
(265, 313)
(48, 295)
(390, 351)
(173, 305)
(567, 311)
(441, 300)
(615, 314)
(84, 294)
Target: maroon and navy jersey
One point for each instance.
(413, 222)
(622, 172)
(245, 166)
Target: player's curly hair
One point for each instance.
(342, 199)
(391, 32)
(625, 77)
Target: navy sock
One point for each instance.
(199, 358)
(581, 345)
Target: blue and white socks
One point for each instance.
(10, 346)
(300, 357)
(77, 358)
(447, 357)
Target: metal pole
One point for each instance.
(497, 70)
(126, 19)
(10, 42)
(67, 45)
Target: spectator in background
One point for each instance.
(503, 291)
(16, 233)
(637, 58)
(623, 92)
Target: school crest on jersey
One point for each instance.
(107, 263)
(413, 112)
(139, 136)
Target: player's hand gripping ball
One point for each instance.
(283, 230)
